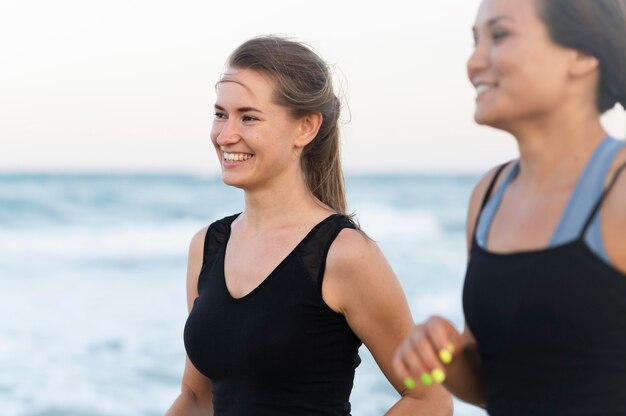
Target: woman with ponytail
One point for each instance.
(282, 295)
(545, 288)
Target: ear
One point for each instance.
(583, 64)
(309, 126)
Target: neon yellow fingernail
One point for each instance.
(426, 378)
(445, 356)
(438, 375)
(409, 383)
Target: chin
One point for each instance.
(498, 123)
(490, 119)
(484, 119)
(230, 180)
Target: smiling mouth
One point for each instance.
(483, 88)
(236, 157)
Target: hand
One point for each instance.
(425, 353)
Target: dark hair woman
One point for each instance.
(545, 289)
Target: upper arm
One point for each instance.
(195, 383)
(360, 283)
(194, 264)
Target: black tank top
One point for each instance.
(551, 328)
(280, 350)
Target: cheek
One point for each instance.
(541, 84)
(528, 67)
(216, 129)
(507, 62)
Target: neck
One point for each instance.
(284, 201)
(554, 150)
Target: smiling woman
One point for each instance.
(546, 234)
(282, 295)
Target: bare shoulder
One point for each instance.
(352, 249)
(479, 191)
(613, 214)
(197, 241)
(617, 164)
(481, 186)
(616, 199)
(355, 266)
(196, 248)
(194, 264)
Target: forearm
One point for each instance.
(436, 402)
(464, 377)
(187, 405)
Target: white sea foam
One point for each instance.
(123, 241)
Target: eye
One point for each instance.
(249, 118)
(220, 115)
(498, 35)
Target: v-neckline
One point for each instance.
(275, 270)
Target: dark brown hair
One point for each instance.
(303, 86)
(596, 28)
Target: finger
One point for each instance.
(444, 337)
(407, 361)
(401, 367)
(432, 369)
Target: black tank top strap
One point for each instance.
(598, 204)
(489, 191)
(314, 250)
(492, 184)
(216, 234)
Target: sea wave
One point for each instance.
(92, 269)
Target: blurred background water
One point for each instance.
(92, 281)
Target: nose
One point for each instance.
(478, 60)
(226, 132)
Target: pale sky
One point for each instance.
(128, 85)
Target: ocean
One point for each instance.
(92, 281)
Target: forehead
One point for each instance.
(245, 84)
(518, 11)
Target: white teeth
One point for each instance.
(482, 88)
(236, 157)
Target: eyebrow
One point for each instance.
(496, 19)
(491, 22)
(240, 109)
